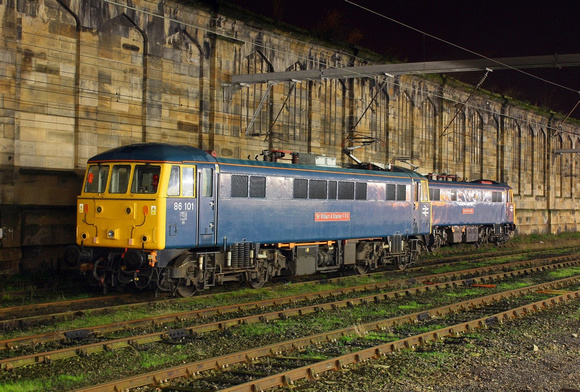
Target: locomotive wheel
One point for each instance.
(260, 278)
(437, 241)
(186, 287)
(401, 262)
(361, 268)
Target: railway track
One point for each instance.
(38, 314)
(47, 358)
(281, 350)
(39, 292)
(95, 331)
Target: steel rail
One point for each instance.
(87, 349)
(203, 313)
(4, 312)
(312, 371)
(158, 377)
(23, 322)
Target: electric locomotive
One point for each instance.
(178, 219)
(477, 212)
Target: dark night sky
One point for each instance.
(491, 28)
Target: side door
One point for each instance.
(181, 208)
(421, 208)
(510, 207)
(207, 189)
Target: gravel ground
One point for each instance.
(540, 352)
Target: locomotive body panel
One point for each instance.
(293, 203)
(479, 212)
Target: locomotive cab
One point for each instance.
(135, 215)
(119, 204)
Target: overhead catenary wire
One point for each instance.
(458, 46)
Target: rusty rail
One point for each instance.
(202, 313)
(157, 378)
(313, 370)
(110, 345)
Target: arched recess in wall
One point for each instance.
(512, 151)
(44, 130)
(558, 166)
(120, 109)
(427, 136)
(292, 122)
(567, 168)
(491, 156)
(378, 116)
(540, 168)
(182, 95)
(490, 149)
(333, 113)
(527, 176)
(576, 171)
(474, 146)
(76, 93)
(256, 99)
(402, 142)
(453, 145)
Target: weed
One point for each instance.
(24, 386)
(564, 273)
(465, 293)
(413, 305)
(153, 360)
(513, 285)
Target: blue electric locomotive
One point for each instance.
(178, 218)
(475, 212)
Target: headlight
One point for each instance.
(111, 234)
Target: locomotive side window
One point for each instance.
(435, 194)
(496, 197)
(300, 188)
(97, 179)
(391, 192)
(188, 181)
(120, 179)
(332, 190)
(396, 192)
(145, 179)
(258, 187)
(453, 195)
(174, 180)
(317, 189)
(239, 186)
(401, 192)
(361, 191)
(345, 190)
(207, 182)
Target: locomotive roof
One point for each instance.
(178, 153)
(471, 184)
(398, 172)
(154, 152)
